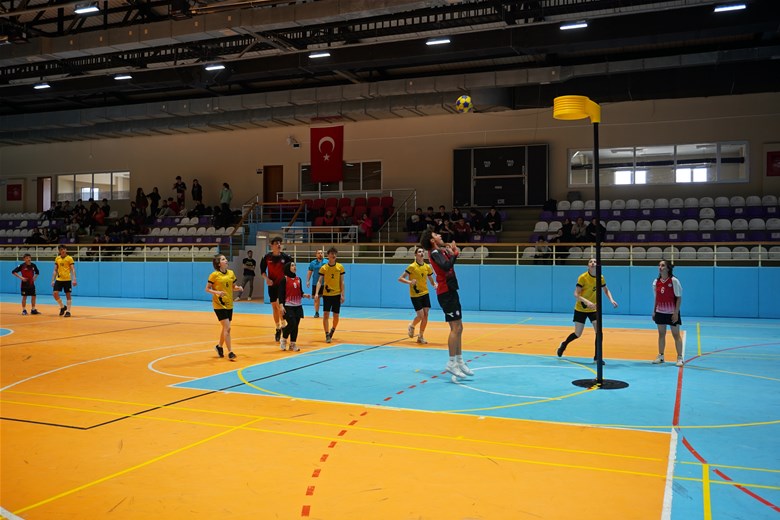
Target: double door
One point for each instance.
(509, 176)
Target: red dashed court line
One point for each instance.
(306, 508)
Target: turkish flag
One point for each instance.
(327, 154)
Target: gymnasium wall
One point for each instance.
(735, 292)
(415, 152)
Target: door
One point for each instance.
(43, 202)
(273, 182)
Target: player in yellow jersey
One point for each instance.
(221, 284)
(416, 276)
(585, 304)
(63, 279)
(332, 279)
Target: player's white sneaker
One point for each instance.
(294, 347)
(465, 369)
(411, 331)
(421, 340)
(659, 359)
(679, 361)
(283, 344)
(454, 369)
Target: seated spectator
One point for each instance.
(429, 219)
(492, 221)
(414, 224)
(165, 210)
(593, 228)
(198, 211)
(578, 230)
(36, 237)
(543, 252)
(344, 221)
(173, 205)
(441, 214)
(455, 215)
(475, 220)
(365, 226)
(462, 231)
(565, 233)
(445, 230)
(329, 219)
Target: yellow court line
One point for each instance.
(698, 337)
(132, 468)
(727, 466)
(730, 372)
(705, 488)
(240, 374)
(370, 443)
(515, 405)
(333, 425)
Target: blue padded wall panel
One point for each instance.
(155, 280)
(88, 278)
(564, 280)
(533, 288)
(180, 281)
(110, 278)
(200, 275)
(497, 288)
(365, 287)
(639, 299)
(132, 274)
(737, 297)
(698, 290)
(468, 281)
(11, 284)
(618, 280)
(768, 289)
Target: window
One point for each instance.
(668, 164)
(357, 176)
(98, 186)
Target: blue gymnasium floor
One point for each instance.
(722, 409)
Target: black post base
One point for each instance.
(605, 384)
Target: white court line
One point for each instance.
(9, 515)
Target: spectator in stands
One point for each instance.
(441, 214)
(154, 202)
(73, 229)
(225, 196)
(366, 226)
(475, 221)
(198, 211)
(492, 221)
(593, 228)
(445, 230)
(462, 231)
(173, 206)
(141, 202)
(99, 239)
(329, 219)
(197, 192)
(106, 208)
(79, 208)
(181, 190)
(414, 224)
(455, 215)
(345, 221)
(429, 219)
(578, 230)
(35, 238)
(165, 210)
(543, 252)
(566, 233)
(66, 209)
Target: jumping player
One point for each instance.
(27, 272)
(443, 258)
(272, 271)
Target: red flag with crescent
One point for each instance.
(327, 154)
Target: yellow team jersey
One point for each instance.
(222, 282)
(419, 273)
(63, 268)
(588, 284)
(331, 278)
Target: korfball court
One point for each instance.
(124, 411)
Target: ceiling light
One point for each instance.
(323, 54)
(214, 66)
(87, 7)
(40, 86)
(438, 41)
(120, 77)
(729, 7)
(574, 25)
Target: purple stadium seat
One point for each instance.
(657, 236)
(724, 236)
(690, 236)
(723, 212)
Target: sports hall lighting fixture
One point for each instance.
(120, 77)
(41, 86)
(86, 8)
(214, 66)
(574, 25)
(729, 7)
(438, 41)
(323, 54)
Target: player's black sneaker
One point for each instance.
(67, 314)
(220, 351)
(561, 349)
(34, 311)
(277, 334)
(62, 310)
(232, 356)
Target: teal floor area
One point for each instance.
(722, 409)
